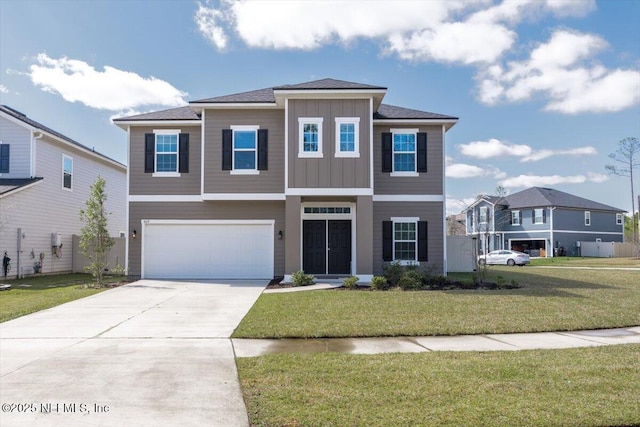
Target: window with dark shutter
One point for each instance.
(387, 241)
(149, 152)
(4, 158)
(227, 149)
(422, 152)
(423, 241)
(183, 164)
(263, 139)
(387, 152)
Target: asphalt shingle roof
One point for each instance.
(328, 84)
(253, 96)
(23, 118)
(541, 197)
(8, 185)
(180, 113)
(393, 112)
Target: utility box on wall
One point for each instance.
(56, 239)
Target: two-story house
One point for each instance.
(45, 179)
(542, 222)
(318, 176)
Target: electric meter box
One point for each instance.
(56, 239)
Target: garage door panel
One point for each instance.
(220, 251)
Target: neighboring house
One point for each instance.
(456, 225)
(45, 179)
(542, 222)
(318, 176)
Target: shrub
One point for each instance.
(410, 280)
(301, 279)
(379, 282)
(350, 282)
(436, 282)
(393, 272)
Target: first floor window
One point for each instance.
(619, 219)
(244, 148)
(404, 241)
(587, 218)
(310, 137)
(67, 171)
(404, 152)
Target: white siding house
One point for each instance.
(47, 183)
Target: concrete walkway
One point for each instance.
(151, 353)
(490, 342)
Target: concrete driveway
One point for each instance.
(151, 353)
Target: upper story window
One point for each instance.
(484, 214)
(347, 137)
(515, 217)
(166, 153)
(67, 171)
(619, 219)
(538, 216)
(310, 137)
(245, 149)
(4, 158)
(404, 152)
(587, 218)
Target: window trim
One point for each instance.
(535, 216)
(244, 128)
(587, 218)
(70, 188)
(167, 174)
(415, 172)
(355, 121)
(309, 120)
(401, 220)
(619, 219)
(516, 220)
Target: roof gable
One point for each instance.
(329, 84)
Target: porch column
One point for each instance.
(292, 261)
(364, 238)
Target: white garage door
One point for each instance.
(208, 250)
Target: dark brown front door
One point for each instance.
(318, 257)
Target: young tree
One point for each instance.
(95, 241)
(626, 154)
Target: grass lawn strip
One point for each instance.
(40, 292)
(569, 387)
(587, 262)
(548, 300)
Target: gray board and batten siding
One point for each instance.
(329, 171)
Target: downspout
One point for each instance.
(553, 248)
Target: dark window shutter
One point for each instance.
(510, 217)
(423, 241)
(149, 152)
(422, 152)
(544, 216)
(387, 152)
(387, 241)
(263, 141)
(520, 217)
(4, 158)
(184, 153)
(533, 216)
(227, 149)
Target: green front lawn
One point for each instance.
(39, 292)
(587, 262)
(548, 300)
(572, 387)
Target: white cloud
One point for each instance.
(461, 170)
(493, 148)
(496, 148)
(549, 180)
(563, 71)
(449, 31)
(111, 89)
(3, 89)
(455, 206)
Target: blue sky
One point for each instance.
(544, 89)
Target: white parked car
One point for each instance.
(504, 257)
